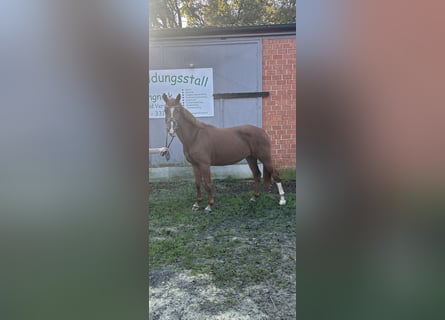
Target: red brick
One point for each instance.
(279, 78)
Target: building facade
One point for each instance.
(254, 70)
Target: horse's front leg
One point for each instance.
(205, 171)
(198, 180)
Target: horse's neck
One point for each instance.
(187, 131)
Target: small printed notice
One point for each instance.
(194, 85)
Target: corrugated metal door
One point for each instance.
(236, 67)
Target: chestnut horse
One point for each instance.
(205, 145)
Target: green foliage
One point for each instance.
(201, 13)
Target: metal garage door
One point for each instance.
(236, 67)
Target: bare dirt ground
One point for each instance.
(178, 293)
(182, 296)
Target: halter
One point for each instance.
(175, 126)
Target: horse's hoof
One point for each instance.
(253, 199)
(207, 210)
(195, 208)
(282, 202)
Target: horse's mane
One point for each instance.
(188, 116)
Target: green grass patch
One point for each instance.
(239, 244)
(288, 173)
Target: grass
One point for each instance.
(239, 244)
(288, 173)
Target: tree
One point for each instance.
(285, 11)
(165, 14)
(199, 13)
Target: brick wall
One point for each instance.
(279, 109)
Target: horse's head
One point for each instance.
(172, 111)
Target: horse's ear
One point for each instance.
(178, 98)
(164, 96)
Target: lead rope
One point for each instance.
(167, 154)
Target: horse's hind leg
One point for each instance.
(276, 177)
(198, 180)
(256, 176)
(281, 192)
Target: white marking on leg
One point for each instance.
(281, 192)
(280, 188)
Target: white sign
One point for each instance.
(194, 85)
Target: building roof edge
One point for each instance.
(222, 32)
